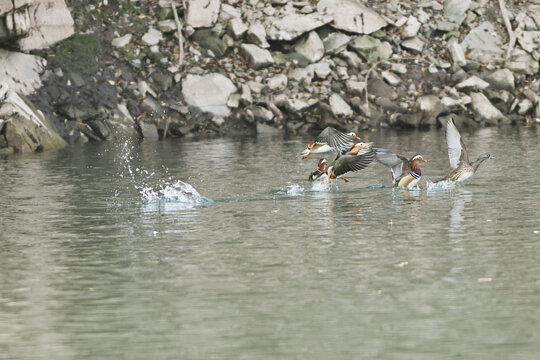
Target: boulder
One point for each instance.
(311, 47)
(277, 82)
(292, 26)
(335, 42)
(207, 39)
(152, 37)
(202, 13)
(413, 43)
(458, 55)
(522, 62)
(431, 106)
(529, 40)
(121, 41)
(483, 44)
(338, 106)
(484, 109)
(355, 87)
(351, 16)
(321, 70)
(411, 27)
(502, 79)
(391, 78)
(472, 83)
(209, 93)
(31, 25)
(258, 58)
(23, 127)
(21, 71)
(237, 28)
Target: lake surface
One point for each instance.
(255, 263)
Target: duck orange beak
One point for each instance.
(305, 153)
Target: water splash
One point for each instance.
(440, 185)
(320, 184)
(153, 187)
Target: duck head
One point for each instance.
(414, 162)
(321, 169)
(486, 156)
(353, 134)
(358, 147)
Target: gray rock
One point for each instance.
(207, 39)
(36, 24)
(335, 42)
(296, 105)
(21, 71)
(293, 25)
(5, 6)
(455, 10)
(529, 40)
(202, 13)
(237, 28)
(483, 109)
(24, 128)
(370, 48)
(398, 68)
(411, 27)
(311, 47)
(414, 44)
(472, 83)
(524, 106)
(338, 106)
(208, 93)
(302, 75)
(355, 87)
(321, 70)
(352, 59)
(522, 62)
(391, 78)
(121, 41)
(166, 26)
(379, 88)
(229, 12)
(483, 44)
(277, 82)
(351, 16)
(458, 55)
(152, 37)
(256, 34)
(255, 86)
(258, 58)
(431, 106)
(502, 79)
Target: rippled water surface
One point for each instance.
(221, 249)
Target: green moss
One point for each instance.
(78, 53)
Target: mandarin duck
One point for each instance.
(330, 139)
(462, 168)
(405, 173)
(360, 156)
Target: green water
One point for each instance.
(259, 266)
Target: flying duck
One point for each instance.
(330, 139)
(356, 159)
(405, 173)
(462, 168)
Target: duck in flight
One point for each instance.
(462, 168)
(359, 156)
(405, 173)
(330, 139)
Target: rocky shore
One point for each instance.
(106, 70)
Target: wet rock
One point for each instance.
(202, 13)
(293, 25)
(411, 27)
(502, 79)
(338, 106)
(455, 10)
(351, 16)
(237, 28)
(208, 93)
(484, 110)
(258, 58)
(21, 71)
(23, 127)
(311, 47)
(370, 48)
(458, 55)
(209, 40)
(472, 83)
(414, 44)
(277, 82)
(335, 42)
(483, 44)
(152, 37)
(256, 34)
(522, 62)
(122, 41)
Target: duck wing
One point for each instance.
(456, 148)
(397, 163)
(336, 139)
(345, 163)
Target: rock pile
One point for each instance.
(247, 66)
